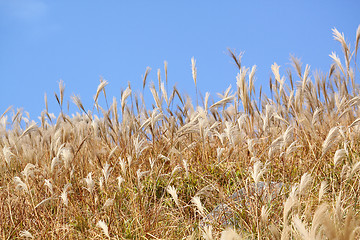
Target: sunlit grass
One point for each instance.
(246, 166)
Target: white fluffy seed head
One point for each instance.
(172, 191)
(186, 167)
(323, 189)
(340, 154)
(219, 152)
(89, 183)
(264, 214)
(258, 171)
(229, 234)
(355, 167)
(120, 181)
(26, 234)
(194, 71)
(108, 203)
(300, 227)
(197, 202)
(101, 86)
(54, 162)
(122, 165)
(207, 232)
(8, 155)
(330, 140)
(305, 183)
(106, 171)
(20, 185)
(101, 224)
(64, 194)
(49, 185)
(28, 170)
(124, 96)
(291, 201)
(67, 156)
(101, 183)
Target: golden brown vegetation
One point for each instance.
(135, 173)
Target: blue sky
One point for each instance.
(42, 42)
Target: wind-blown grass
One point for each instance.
(140, 172)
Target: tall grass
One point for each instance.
(131, 171)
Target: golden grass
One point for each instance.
(156, 173)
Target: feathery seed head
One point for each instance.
(67, 156)
(101, 86)
(120, 181)
(258, 171)
(172, 191)
(28, 171)
(330, 140)
(230, 234)
(89, 183)
(186, 167)
(305, 183)
(357, 40)
(101, 183)
(64, 194)
(54, 162)
(207, 232)
(124, 96)
(26, 234)
(275, 70)
(290, 202)
(197, 202)
(108, 203)
(300, 227)
(219, 152)
(106, 171)
(354, 169)
(101, 224)
(49, 185)
(323, 189)
(20, 185)
(265, 211)
(8, 155)
(340, 155)
(122, 165)
(193, 68)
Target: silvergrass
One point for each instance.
(160, 171)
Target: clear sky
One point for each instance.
(43, 41)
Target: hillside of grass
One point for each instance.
(131, 171)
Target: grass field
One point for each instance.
(131, 171)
